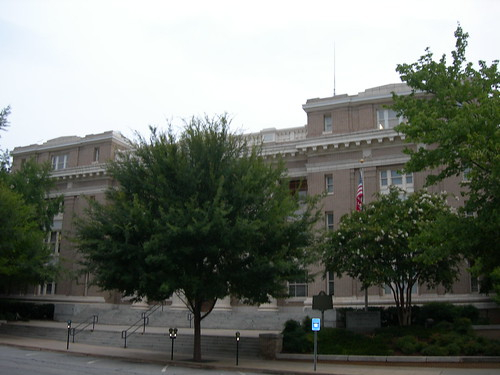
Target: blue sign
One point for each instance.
(316, 324)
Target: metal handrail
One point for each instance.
(143, 321)
(93, 320)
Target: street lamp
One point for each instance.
(173, 335)
(237, 346)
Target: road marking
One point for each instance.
(164, 369)
(91, 362)
(31, 354)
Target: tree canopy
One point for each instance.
(390, 244)
(24, 257)
(4, 123)
(203, 215)
(4, 115)
(26, 215)
(454, 112)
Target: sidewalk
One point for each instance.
(245, 364)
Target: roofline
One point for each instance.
(362, 97)
(71, 142)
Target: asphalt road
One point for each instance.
(14, 361)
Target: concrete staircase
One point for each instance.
(154, 339)
(237, 319)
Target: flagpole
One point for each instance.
(362, 204)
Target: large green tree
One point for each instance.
(201, 215)
(24, 257)
(390, 243)
(4, 123)
(26, 215)
(454, 114)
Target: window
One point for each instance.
(329, 183)
(387, 119)
(59, 162)
(297, 289)
(54, 241)
(329, 220)
(466, 175)
(331, 285)
(393, 177)
(327, 123)
(96, 154)
(299, 187)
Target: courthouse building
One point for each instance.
(345, 136)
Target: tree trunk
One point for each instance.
(197, 332)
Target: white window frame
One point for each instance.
(466, 175)
(59, 162)
(97, 151)
(329, 183)
(327, 123)
(54, 241)
(330, 283)
(391, 177)
(329, 220)
(297, 289)
(387, 118)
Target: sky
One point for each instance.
(78, 67)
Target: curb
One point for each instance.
(388, 359)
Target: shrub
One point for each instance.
(15, 310)
(295, 338)
(444, 326)
(445, 311)
(438, 312)
(472, 347)
(343, 341)
(453, 349)
(463, 326)
(492, 348)
(408, 344)
(468, 311)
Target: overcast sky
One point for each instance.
(71, 67)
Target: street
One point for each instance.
(16, 361)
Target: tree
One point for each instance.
(24, 257)
(203, 216)
(4, 123)
(34, 183)
(26, 215)
(390, 244)
(454, 111)
(4, 114)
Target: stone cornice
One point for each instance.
(93, 170)
(332, 141)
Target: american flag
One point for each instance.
(359, 194)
